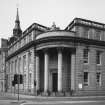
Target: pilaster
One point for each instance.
(37, 72)
(73, 71)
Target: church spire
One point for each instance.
(17, 15)
(17, 30)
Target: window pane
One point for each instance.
(85, 55)
(85, 78)
(98, 58)
(98, 35)
(24, 62)
(98, 78)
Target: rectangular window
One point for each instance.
(20, 43)
(85, 78)
(19, 65)
(98, 78)
(24, 40)
(98, 35)
(98, 57)
(24, 80)
(11, 67)
(15, 66)
(24, 62)
(85, 55)
(30, 57)
(16, 46)
(88, 33)
(30, 37)
(30, 80)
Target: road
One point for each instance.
(7, 100)
(76, 102)
(85, 103)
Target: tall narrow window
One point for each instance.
(24, 62)
(12, 67)
(98, 78)
(30, 80)
(24, 40)
(98, 35)
(87, 33)
(85, 78)
(98, 57)
(16, 46)
(24, 80)
(85, 55)
(30, 37)
(19, 65)
(16, 67)
(30, 57)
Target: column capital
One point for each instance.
(60, 49)
(45, 50)
(37, 53)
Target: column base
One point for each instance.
(60, 94)
(45, 94)
(53, 94)
(68, 94)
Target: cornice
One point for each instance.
(72, 39)
(20, 50)
(85, 23)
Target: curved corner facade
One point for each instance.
(58, 62)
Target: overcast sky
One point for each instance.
(45, 12)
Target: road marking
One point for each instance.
(60, 102)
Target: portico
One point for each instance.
(54, 67)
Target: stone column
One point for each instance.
(59, 69)
(46, 64)
(73, 72)
(37, 72)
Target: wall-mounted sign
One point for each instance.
(80, 85)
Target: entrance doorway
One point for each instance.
(54, 81)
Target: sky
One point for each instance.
(45, 12)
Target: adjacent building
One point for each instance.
(57, 62)
(3, 55)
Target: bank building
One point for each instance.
(55, 62)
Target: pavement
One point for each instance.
(48, 97)
(46, 100)
(22, 96)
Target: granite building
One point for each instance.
(57, 62)
(3, 55)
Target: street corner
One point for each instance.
(18, 101)
(28, 103)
